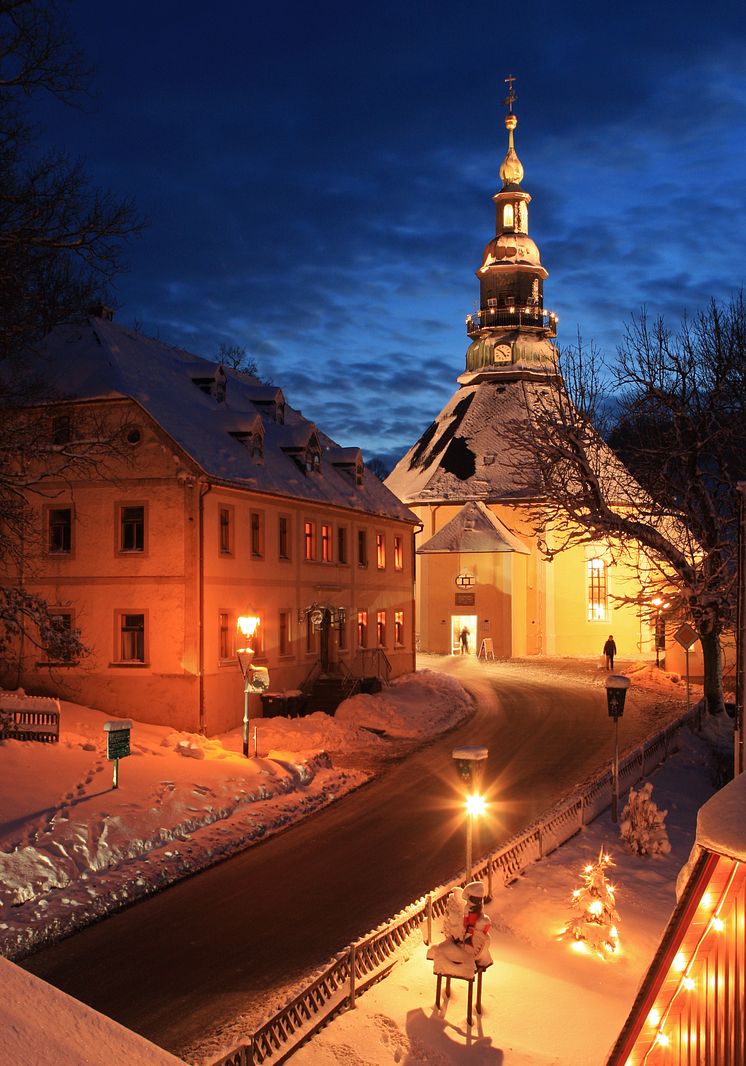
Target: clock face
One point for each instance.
(502, 353)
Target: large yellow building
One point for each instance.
(483, 572)
(217, 500)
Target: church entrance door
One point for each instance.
(464, 634)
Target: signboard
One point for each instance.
(686, 636)
(464, 599)
(117, 743)
(118, 738)
(486, 649)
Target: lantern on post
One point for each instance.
(616, 693)
(470, 762)
(255, 678)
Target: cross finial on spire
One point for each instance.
(510, 98)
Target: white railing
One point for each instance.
(369, 959)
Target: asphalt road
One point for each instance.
(181, 965)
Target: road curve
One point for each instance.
(183, 964)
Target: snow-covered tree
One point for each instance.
(595, 919)
(642, 827)
(676, 422)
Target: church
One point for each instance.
(487, 582)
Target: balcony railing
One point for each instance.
(512, 317)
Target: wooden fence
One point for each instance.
(369, 959)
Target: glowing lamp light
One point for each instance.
(679, 962)
(596, 907)
(475, 806)
(662, 1039)
(688, 983)
(247, 625)
(718, 925)
(580, 946)
(654, 1017)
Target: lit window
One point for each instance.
(132, 638)
(398, 627)
(381, 551)
(60, 530)
(508, 217)
(132, 529)
(597, 606)
(398, 553)
(326, 544)
(257, 534)
(362, 547)
(342, 544)
(362, 629)
(381, 628)
(309, 535)
(283, 537)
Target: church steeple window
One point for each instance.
(508, 216)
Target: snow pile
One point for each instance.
(72, 848)
(40, 1024)
(643, 828)
(425, 703)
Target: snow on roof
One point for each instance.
(97, 359)
(476, 448)
(474, 529)
(721, 825)
(466, 453)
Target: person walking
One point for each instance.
(464, 641)
(610, 652)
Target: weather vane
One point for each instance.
(510, 98)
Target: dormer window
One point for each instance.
(508, 216)
(313, 457)
(359, 472)
(253, 442)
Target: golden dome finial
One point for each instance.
(511, 170)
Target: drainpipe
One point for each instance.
(203, 491)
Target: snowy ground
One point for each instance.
(72, 848)
(543, 1003)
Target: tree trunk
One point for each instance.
(713, 665)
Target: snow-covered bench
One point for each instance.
(29, 718)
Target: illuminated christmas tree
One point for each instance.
(594, 925)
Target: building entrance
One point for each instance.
(464, 634)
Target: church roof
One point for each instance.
(467, 452)
(205, 409)
(474, 529)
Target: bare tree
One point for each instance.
(235, 357)
(60, 246)
(670, 508)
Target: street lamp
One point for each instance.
(660, 633)
(470, 762)
(616, 693)
(255, 678)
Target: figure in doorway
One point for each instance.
(464, 641)
(610, 652)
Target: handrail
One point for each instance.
(367, 960)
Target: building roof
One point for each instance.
(206, 410)
(474, 529)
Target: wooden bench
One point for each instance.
(30, 718)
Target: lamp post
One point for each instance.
(470, 762)
(660, 633)
(247, 626)
(616, 693)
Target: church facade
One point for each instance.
(487, 581)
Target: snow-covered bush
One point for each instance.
(642, 826)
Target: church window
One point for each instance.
(597, 590)
(508, 216)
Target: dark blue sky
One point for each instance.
(317, 177)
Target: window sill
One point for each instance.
(129, 666)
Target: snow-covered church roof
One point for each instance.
(213, 413)
(474, 529)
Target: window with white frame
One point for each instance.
(596, 575)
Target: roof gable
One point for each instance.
(474, 529)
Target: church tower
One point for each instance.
(512, 328)
(481, 565)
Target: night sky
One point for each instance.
(317, 178)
